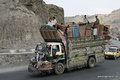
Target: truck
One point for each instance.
(66, 51)
(112, 52)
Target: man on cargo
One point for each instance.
(86, 20)
(50, 22)
(95, 32)
(95, 26)
(96, 22)
(54, 21)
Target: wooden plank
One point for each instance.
(56, 35)
(43, 34)
(51, 35)
(47, 35)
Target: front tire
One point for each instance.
(91, 62)
(59, 68)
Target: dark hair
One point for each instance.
(53, 17)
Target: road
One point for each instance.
(109, 70)
(115, 43)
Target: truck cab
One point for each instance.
(50, 53)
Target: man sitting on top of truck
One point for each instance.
(52, 22)
(86, 20)
(95, 26)
(96, 22)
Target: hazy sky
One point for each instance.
(88, 7)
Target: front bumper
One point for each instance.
(109, 56)
(43, 67)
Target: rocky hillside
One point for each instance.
(112, 19)
(20, 21)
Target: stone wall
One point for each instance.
(20, 21)
(15, 60)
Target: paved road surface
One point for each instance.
(109, 70)
(115, 43)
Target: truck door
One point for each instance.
(57, 51)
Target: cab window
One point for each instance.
(56, 47)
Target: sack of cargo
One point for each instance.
(70, 32)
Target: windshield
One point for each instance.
(112, 50)
(43, 48)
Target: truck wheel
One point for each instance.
(91, 62)
(59, 68)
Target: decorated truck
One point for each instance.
(66, 50)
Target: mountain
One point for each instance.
(112, 19)
(20, 21)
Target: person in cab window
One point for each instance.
(56, 48)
